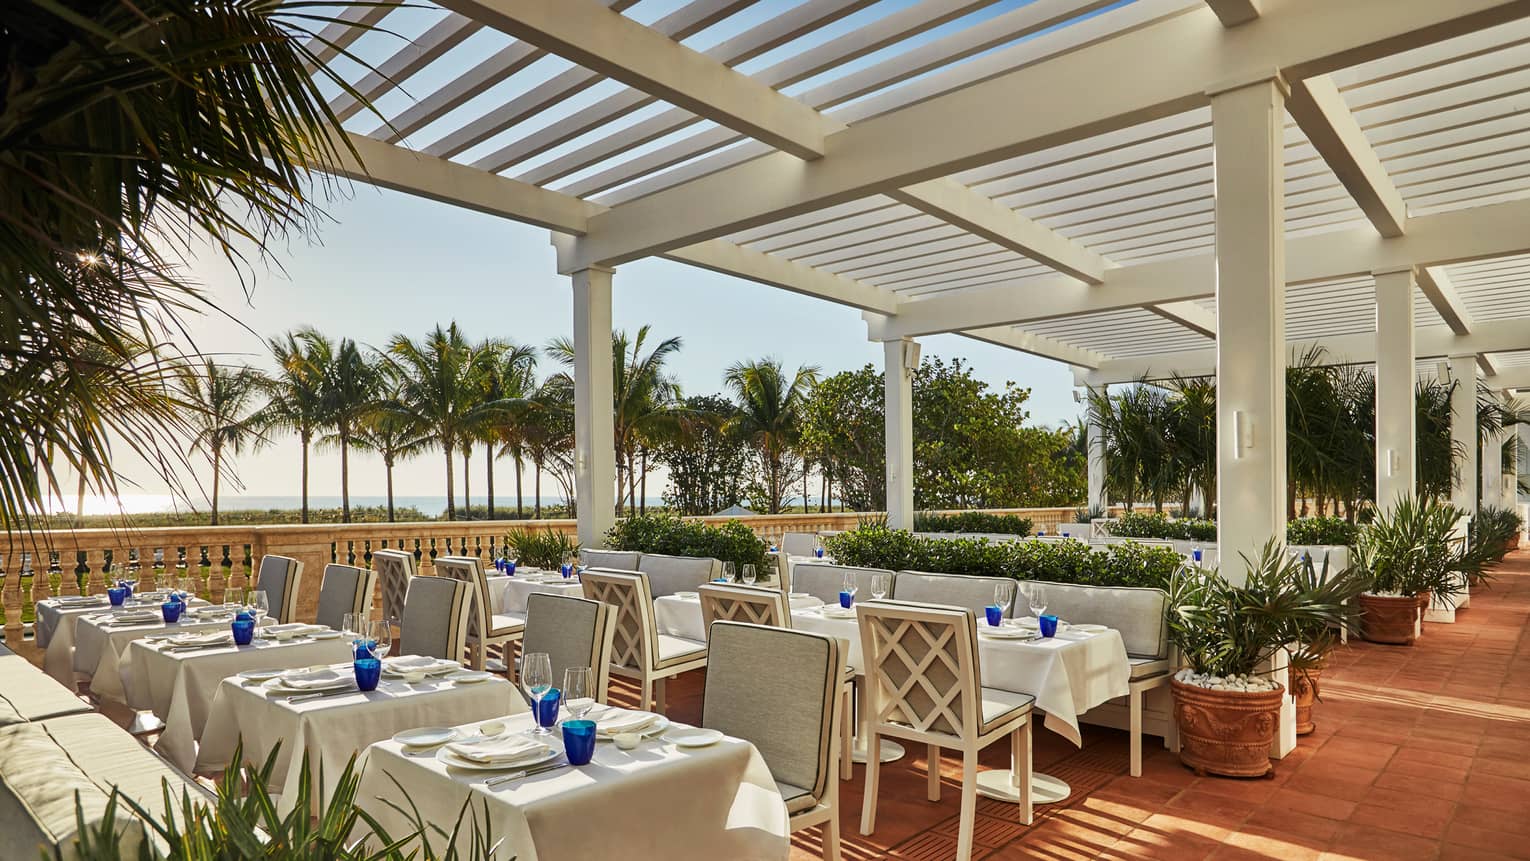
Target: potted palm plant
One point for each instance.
(1227, 711)
(1317, 639)
(1409, 556)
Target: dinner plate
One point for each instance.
(276, 684)
(1006, 633)
(326, 635)
(799, 595)
(425, 736)
(829, 612)
(260, 675)
(449, 758)
(1089, 628)
(694, 737)
(1072, 634)
(469, 677)
(688, 596)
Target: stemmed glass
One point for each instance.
(818, 546)
(578, 691)
(380, 634)
(566, 568)
(536, 675)
(847, 590)
(1003, 593)
(1036, 596)
(750, 578)
(729, 572)
(880, 583)
(259, 605)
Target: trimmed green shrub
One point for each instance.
(1144, 525)
(1496, 530)
(667, 533)
(972, 521)
(540, 548)
(1062, 561)
(1322, 530)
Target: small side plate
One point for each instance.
(260, 675)
(468, 677)
(693, 737)
(425, 736)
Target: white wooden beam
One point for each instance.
(1234, 12)
(1509, 378)
(959, 205)
(591, 35)
(1187, 54)
(1486, 365)
(448, 33)
(1436, 287)
(1188, 314)
(730, 259)
(1036, 345)
(1320, 110)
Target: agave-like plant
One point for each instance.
(1410, 549)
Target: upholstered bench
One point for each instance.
(957, 590)
(28, 694)
(670, 574)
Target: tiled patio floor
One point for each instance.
(1419, 753)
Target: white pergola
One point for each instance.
(1131, 188)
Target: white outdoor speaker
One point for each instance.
(910, 355)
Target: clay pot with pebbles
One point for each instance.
(1389, 619)
(1226, 733)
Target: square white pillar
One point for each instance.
(1248, 127)
(1492, 468)
(594, 405)
(1396, 416)
(900, 359)
(1463, 431)
(1096, 444)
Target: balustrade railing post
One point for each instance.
(95, 572)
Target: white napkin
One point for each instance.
(208, 638)
(617, 720)
(502, 751)
(319, 678)
(421, 663)
(131, 617)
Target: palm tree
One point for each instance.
(129, 133)
(392, 436)
(297, 392)
(222, 398)
(771, 407)
(348, 394)
(546, 430)
(508, 376)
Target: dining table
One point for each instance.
(327, 730)
(658, 800)
(101, 640)
(679, 615)
(54, 622)
(178, 683)
(510, 592)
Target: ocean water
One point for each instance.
(147, 503)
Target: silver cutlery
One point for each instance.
(525, 772)
(303, 698)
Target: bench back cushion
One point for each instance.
(670, 574)
(955, 590)
(1138, 613)
(823, 581)
(28, 694)
(620, 560)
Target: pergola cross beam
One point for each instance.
(1320, 110)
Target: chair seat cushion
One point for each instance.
(797, 799)
(678, 650)
(501, 624)
(1143, 668)
(27, 693)
(999, 706)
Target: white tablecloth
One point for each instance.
(97, 649)
(53, 632)
(1068, 675)
(178, 686)
(510, 593)
(681, 617)
(329, 730)
(658, 801)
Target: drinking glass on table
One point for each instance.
(1036, 597)
(259, 604)
(750, 578)
(881, 584)
(1003, 594)
(578, 691)
(566, 567)
(350, 623)
(729, 572)
(380, 634)
(536, 675)
(847, 589)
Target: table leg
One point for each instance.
(891, 750)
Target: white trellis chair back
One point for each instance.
(722, 603)
(394, 569)
(634, 640)
(921, 665)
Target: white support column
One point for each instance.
(1248, 124)
(594, 421)
(1492, 468)
(1463, 430)
(1396, 422)
(901, 357)
(1096, 462)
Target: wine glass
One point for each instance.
(750, 578)
(578, 691)
(566, 568)
(818, 546)
(1036, 596)
(259, 604)
(380, 634)
(729, 572)
(536, 675)
(880, 583)
(847, 590)
(1003, 593)
(350, 623)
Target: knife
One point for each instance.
(526, 772)
(303, 698)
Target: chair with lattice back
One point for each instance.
(923, 686)
(394, 570)
(638, 650)
(486, 628)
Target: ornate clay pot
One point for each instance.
(1226, 732)
(1389, 619)
(1304, 691)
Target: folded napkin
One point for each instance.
(295, 627)
(500, 751)
(319, 678)
(618, 720)
(131, 617)
(209, 638)
(420, 663)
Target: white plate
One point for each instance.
(446, 756)
(694, 737)
(342, 682)
(688, 596)
(1006, 633)
(326, 635)
(656, 728)
(835, 612)
(425, 736)
(469, 677)
(1089, 629)
(260, 675)
(799, 595)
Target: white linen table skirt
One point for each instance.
(53, 633)
(328, 731)
(510, 593)
(681, 617)
(178, 686)
(658, 802)
(98, 648)
(1067, 675)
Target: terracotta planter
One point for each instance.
(1226, 732)
(1304, 690)
(1389, 620)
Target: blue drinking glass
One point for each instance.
(1048, 625)
(567, 570)
(1041, 533)
(368, 671)
(1067, 535)
(579, 741)
(818, 551)
(116, 595)
(364, 649)
(846, 599)
(510, 567)
(995, 614)
(171, 610)
(244, 629)
(126, 585)
(1196, 553)
(774, 549)
(547, 708)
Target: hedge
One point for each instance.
(1307, 530)
(667, 533)
(972, 521)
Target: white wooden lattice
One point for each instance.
(909, 649)
(627, 647)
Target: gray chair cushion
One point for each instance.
(436, 612)
(954, 590)
(1000, 706)
(1138, 613)
(797, 799)
(573, 632)
(344, 589)
(670, 574)
(823, 581)
(280, 578)
(394, 570)
(799, 543)
(785, 706)
(28, 694)
(1146, 668)
(621, 560)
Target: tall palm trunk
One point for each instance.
(804, 486)
(489, 481)
(79, 497)
(345, 477)
(643, 486)
(467, 487)
(520, 510)
(537, 489)
(451, 490)
(217, 453)
(305, 437)
(388, 464)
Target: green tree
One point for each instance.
(706, 463)
(509, 376)
(388, 433)
(844, 427)
(547, 434)
(297, 392)
(223, 400)
(769, 418)
(349, 393)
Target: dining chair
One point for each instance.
(638, 650)
(769, 607)
(799, 543)
(823, 580)
(344, 589)
(395, 568)
(486, 628)
(572, 632)
(924, 686)
(788, 707)
(619, 560)
(279, 578)
(435, 619)
(670, 574)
